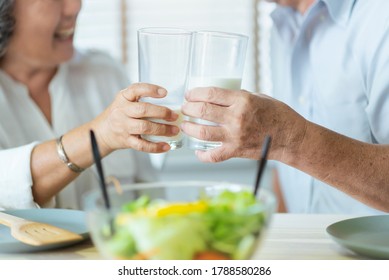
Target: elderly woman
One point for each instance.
(51, 96)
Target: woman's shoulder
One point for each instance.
(96, 65)
(94, 59)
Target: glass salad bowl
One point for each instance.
(179, 221)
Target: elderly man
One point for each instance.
(330, 64)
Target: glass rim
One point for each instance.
(222, 34)
(91, 197)
(164, 31)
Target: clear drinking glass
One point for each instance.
(164, 59)
(217, 60)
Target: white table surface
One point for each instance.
(303, 237)
(290, 236)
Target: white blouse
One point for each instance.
(81, 89)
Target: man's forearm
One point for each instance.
(356, 168)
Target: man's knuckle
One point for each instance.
(212, 92)
(203, 132)
(143, 126)
(203, 110)
(140, 109)
(138, 145)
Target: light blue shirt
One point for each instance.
(332, 66)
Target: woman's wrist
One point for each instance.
(64, 157)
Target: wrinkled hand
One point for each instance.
(244, 119)
(122, 123)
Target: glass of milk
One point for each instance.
(164, 59)
(217, 61)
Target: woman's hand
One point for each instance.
(122, 123)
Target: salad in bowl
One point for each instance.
(180, 221)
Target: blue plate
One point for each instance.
(367, 236)
(72, 220)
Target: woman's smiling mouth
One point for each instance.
(64, 34)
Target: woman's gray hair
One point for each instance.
(7, 23)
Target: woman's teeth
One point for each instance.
(64, 34)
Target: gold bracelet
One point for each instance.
(64, 158)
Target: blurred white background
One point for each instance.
(111, 26)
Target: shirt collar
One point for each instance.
(286, 21)
(340, 11)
